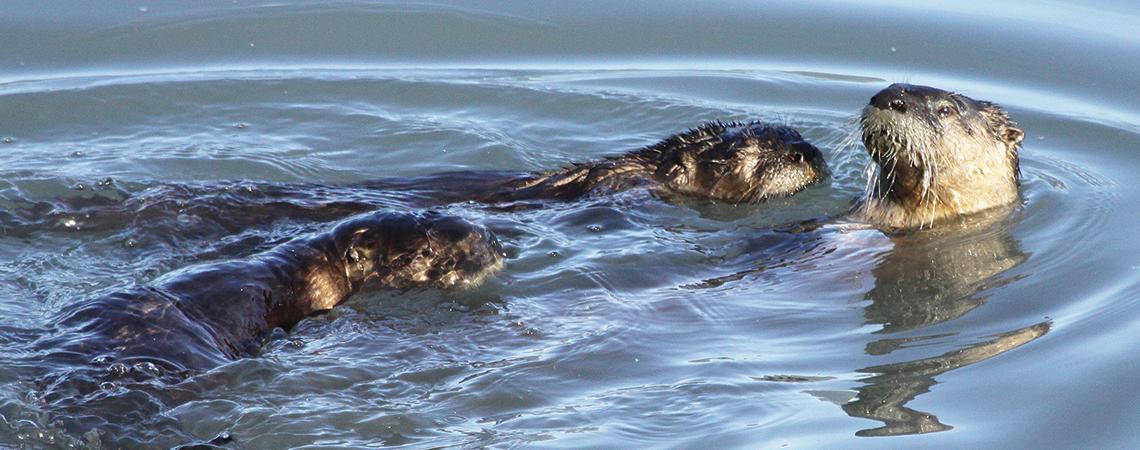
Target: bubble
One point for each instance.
(118, 369)
(8, 140)
(78, 154)
(147, 368)
(594, 228)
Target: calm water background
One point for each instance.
(601, 331)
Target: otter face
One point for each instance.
(455, 253)
(433, 250)
(745, 164)
(939, 154)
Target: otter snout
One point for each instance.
(460, 253)
(901, 97)
(890, 100)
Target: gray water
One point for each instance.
(625, 321)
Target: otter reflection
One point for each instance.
(928, 278)
(894, 385)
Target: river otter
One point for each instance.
(206, 315)
(940, 155)
(728, 161)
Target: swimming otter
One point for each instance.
(728, 161)
(206, 315)
(940, 155)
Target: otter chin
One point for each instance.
(940, 155)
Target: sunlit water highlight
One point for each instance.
(619, 321)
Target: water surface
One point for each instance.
(620, 321)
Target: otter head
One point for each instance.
(939, 155)
(404, 250)
(740, 163)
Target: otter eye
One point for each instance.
(945, 112)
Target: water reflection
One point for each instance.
(928, 278)
(934, 276)
(886, 394)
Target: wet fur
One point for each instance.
(728, 161)
(205, 315)
(938, 156)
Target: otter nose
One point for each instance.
(889, 99)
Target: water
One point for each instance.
(623, 321)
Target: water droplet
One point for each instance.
(78, 154)
(222, 438)
(8, 140)
(131, 243)
(894, 50)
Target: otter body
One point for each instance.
(940, 155)
(732, 162)
(205, 315)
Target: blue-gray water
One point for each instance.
(601, 331)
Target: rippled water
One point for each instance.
(619, 321)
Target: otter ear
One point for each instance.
(1013, 135)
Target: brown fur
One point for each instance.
(939, 155)
(726, 161)
(205, 315)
